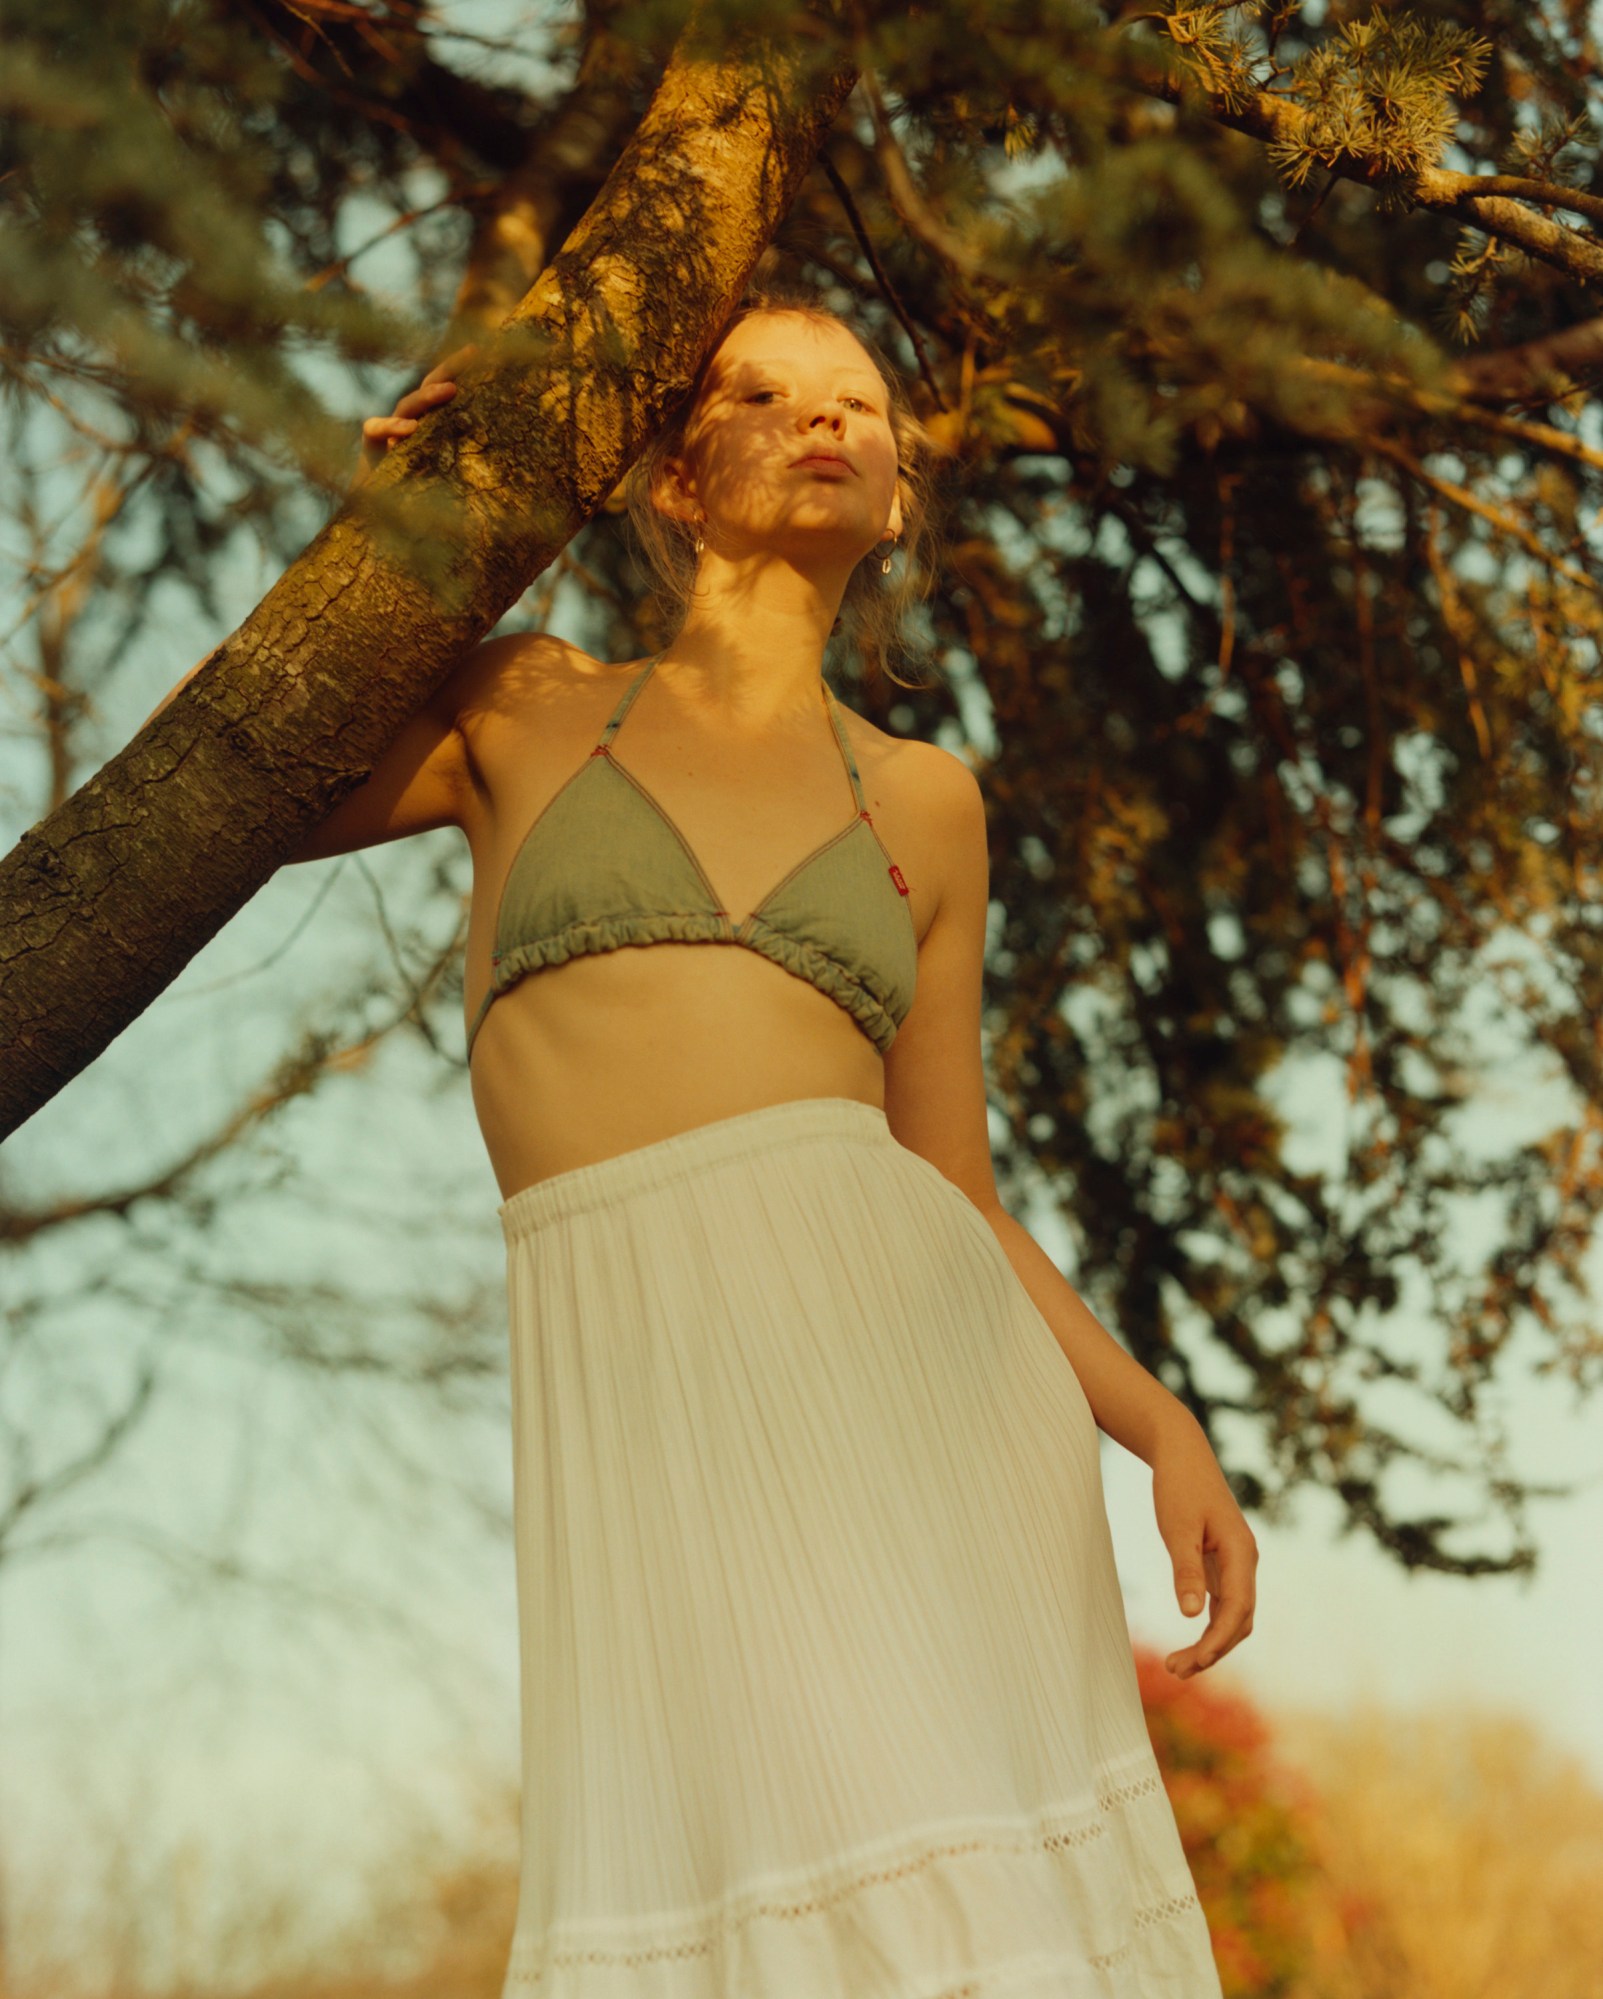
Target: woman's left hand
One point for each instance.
(1209, 1542)
(380, 434)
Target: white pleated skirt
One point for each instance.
(827, 1691)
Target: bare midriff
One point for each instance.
(584, 1060)
(580, 1061)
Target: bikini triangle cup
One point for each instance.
(603, 865)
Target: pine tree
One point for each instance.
(1258, 339)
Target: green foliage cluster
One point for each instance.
(160, 212)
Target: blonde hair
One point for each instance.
(875, 607)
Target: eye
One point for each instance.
(760, 393)
(859, 402)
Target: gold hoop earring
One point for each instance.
(701, 540)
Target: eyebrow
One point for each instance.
(856, 368)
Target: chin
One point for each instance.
(831, 544)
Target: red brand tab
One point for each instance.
(896, 876)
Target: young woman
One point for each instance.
(827, 1691)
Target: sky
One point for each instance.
(306, 1735)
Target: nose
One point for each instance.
(832, 416)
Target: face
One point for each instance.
(779, 387)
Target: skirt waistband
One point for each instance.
(665, 1159)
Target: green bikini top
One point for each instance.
(603, 865)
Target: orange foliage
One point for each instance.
(1251, 1829)
(1449, 1855)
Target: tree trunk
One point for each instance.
(103, 902)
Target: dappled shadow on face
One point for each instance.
(608, 341)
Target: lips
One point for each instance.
(824, 458)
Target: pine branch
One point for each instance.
(1288, 129)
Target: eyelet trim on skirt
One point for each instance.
(827, 1685)
(524, 1976)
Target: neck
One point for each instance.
(751, 649)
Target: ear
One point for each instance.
(673, 491)
(893, 524)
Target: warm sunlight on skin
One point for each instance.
(618, 1056)
(782, 537)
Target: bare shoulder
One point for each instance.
(512, 672)
(921, 778)
(929, 802)
(514, 694)
(448, 764)
(952, 821)
(944, 781)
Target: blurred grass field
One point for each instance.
(1371, 1854)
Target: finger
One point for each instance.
(1232, 1570)
(1230, 1623)
(428, 396)
(380, 432)
(444, 370)
(1209, 1649)
(1190, 1579)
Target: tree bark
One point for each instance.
(103, 902)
